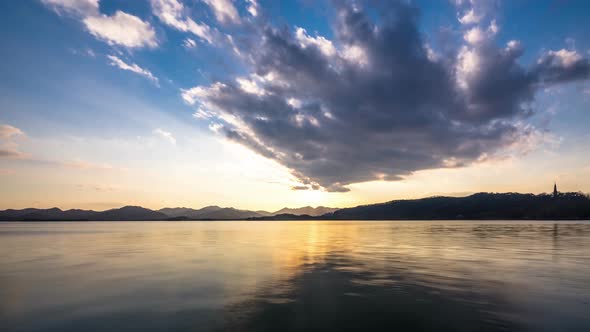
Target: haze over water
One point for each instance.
(288, 276)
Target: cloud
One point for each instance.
(119, 29)
(8, 147)
(174, 14)
(562, 66)
(473, 12)
(117, 62)
(12, 153)
(320, 42)
(474, 36)
(78, 7)
(82, 164)
(252, 7)
(165, 135)
(224, 10)
(299, 188)
(8, 131)
(401, 111)
(189, 43)
(469, 17)
(9, 150)
(122, 29)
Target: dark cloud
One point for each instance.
(377, 103)
(300, 188)
(10, 153)
(562, 66)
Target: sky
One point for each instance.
(261, 104)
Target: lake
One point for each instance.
(295, 275)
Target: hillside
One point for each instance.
(477, 206)
(306, 210)
(131, 213)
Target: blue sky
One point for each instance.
(102, 106)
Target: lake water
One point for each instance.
(293, 276)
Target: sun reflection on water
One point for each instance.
(289, 275)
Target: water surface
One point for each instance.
(293, 276)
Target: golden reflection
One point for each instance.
(228, 265)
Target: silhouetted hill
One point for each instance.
(130, 213)
(57, 214)
(212, 212)
(284, 216)
(306, 210)
(189, 212)
(12, 214)
(477, 206)
(231, 213)
(124, 213)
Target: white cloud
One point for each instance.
(320, 42)
(9, 148)
(79, 7)
(469, 17)
(117, 62)
(294, 102)
(493, 28)
(252, 7)
(474, 36)
(165, 135)
(565, 58)
(230, 39)
(430, 53)
(355, 54)
(215, 127)
(196, 94)
(122, 29)
(224, 10)
(189, 43)
(513, 45)
(467, 65)
(301, 118)
(250, 86)
(202, 114)
(173, 14)
(531, 140)
(8, 131)
(119, 29)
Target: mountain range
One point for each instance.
(481, 206)
(133, 213)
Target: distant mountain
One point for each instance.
(12, 214)
(46, 214)
(212, 212)
(484, 206)
(284, 216)
(57, 214)
(231, 213)
(124, 213)
(188, 212)
(130, 213)
(307, 210)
